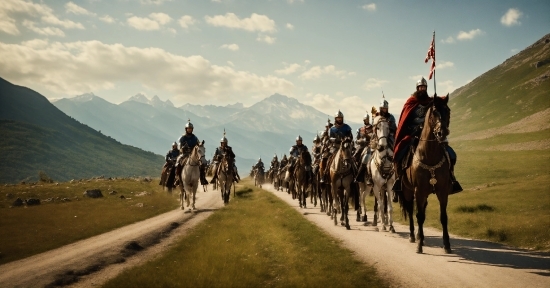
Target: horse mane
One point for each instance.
(306, 157)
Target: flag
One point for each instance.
(431, 55)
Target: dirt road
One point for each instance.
(93, 261)
(473, 263)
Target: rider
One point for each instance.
(391, 120)
(170, 159)
(295, 152)
(316, 151)
(227, 151)
(274, 163)
(364, 135)
(337, 133)
(187, 142)
(259, 165)
(282, 165)
(409, 130)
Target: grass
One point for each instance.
(34, 229)
(255, 241)
(506, 198)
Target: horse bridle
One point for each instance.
(432, 124)
(198, 160)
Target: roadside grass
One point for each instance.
(467, 145)
(506, 199)
(30, 230)
(255, 241)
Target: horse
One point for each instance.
(341, 179)
(383, 176)
(301, 178)
(259, 176)
(225, 178)
(168, 175)
(429, 172)
(190, 174)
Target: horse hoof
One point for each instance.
(373, 223)
(412, 239)
(419, 250)
(347, 227)
(383, 228)
(365, 218)
(392, 230)
(343, 224)
(376, 229)
(448, 250)
(366, 224)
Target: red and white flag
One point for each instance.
(431, 55)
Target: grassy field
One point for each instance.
(506, 196)
(255, 241)
(26, 231)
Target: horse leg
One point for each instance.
(420, 218)
(375, 208)
(443, 219)
(390, 208)
(346, 210)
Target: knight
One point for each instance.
(409, 130)
(274, 163)
(187, 142)
(224, 151)
(336, 134)
(363, 151)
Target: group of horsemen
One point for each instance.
(402, 139)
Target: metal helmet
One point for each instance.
(328, 124)
(316, 139)
(366, 117)
(421, 82)
(259, 159)
(174, 144)
(223, 140)
(275, 156)
(383, 103)
(299, 138)
(338, 114)
(189, 124)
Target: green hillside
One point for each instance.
(36, 136)
(517, 88)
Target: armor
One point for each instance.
(296, 150)
(223, 140)
(316, 139)
(299, 138)
(366, 117)
(421, 82)
(339, 114)
(328, 125)
(384, 103)
(172, 155)
(188, 142)
(416, 121)
(189, 124)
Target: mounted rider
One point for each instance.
(362, 147)
(336, 134)
(409, 130)
(259, 165)
(325, 149)
(167, 176)
(295, 152)
(187, 142)
(224, 151)
(316, 152)
(274, 163)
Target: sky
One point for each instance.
(332, 55)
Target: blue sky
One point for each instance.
(328, 54)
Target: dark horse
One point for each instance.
(301, 180)
(429, 172)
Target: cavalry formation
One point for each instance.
(401, 162)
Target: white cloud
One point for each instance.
(514, 51)
(469, 35)
(318, 71)
(7, 24)
(232, 47)
(449, 40)
(154, 22)
(289, 69)
(107, 19)
(185, 21)
(353, 107)
(445, 87)
(416, 77)
(266, 38)
(230, 63)
(511, 17)
(289, 26)
(292, 1)
(109, 65)
(374, 83)
(154, 2)
(9, 8)
(444, 64)
(47, 31)
(369, 7)
(256, 22)
(70, 7)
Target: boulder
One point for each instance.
(93, 193)
(33, 201)
(18, 202)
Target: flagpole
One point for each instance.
(435, 90)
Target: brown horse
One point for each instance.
(429, 172)
(301, 178)
(341, 179)
(225, 178)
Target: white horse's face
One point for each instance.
(382, 132)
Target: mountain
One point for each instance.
(506, 94)
(36, 136)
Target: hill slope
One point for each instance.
(36, 136)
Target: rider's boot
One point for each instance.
(397, 185)
(456, 186)
(360, 174)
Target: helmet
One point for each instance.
(328, 123)
(383, 103)
(260, 160)
(299, 138)
(316, 139)
(366, 117)
(338, 114)
(224, 140)
(189, 124)
(275, 156)
(421, 82)
(174, 144)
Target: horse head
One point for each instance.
(381, 132)
(440, 118)
(305, 158)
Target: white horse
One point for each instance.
(383, 176)
(190, 175)
(225, 178)
(341, 178)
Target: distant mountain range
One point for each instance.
(36, 136)
(261, 130)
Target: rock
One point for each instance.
(139, 205)
(18, 202)
(66, 199)
(48, 200)
(122, 197)
(33, 201)
(93, 193)
(112, 192)
(144, 193)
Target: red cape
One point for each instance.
(403, 134)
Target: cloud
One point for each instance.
(7, 24)
(107, 19)
(154, 2)
(511, 17)
(289, 69)
(369, 7)
(449, 40)
(445, 87)
(232, 47)
(318, 71)
(289, 26)
(256, 22)
(79, 67)
(444, 64)
(292, 1)
(185, 21)
(230, 63)
(266, 38)
(47, 31)
(70, 7)
(469, 35)
(154, 22)
(374, 83)
(353, 107)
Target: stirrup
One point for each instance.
(456, 188)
